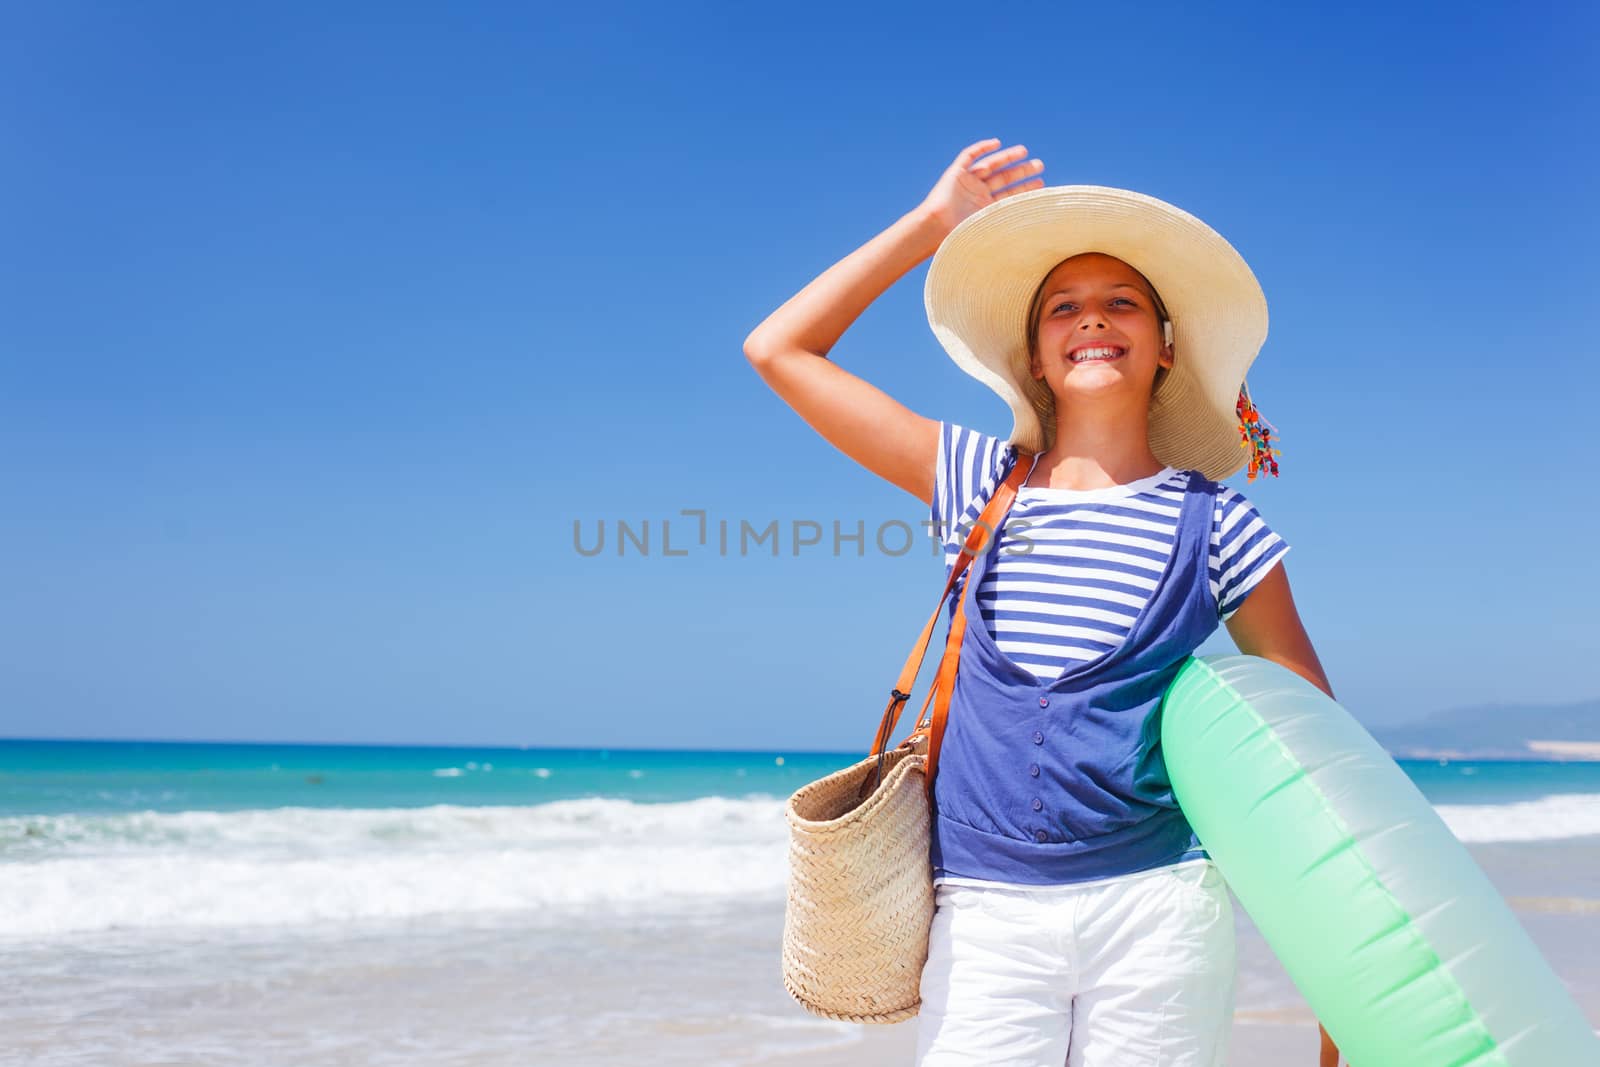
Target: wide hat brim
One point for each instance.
(984, 275)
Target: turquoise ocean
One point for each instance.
(108, 778)
(251, 903)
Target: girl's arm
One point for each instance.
(790, 348)
(1268, 625)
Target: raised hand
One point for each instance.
(970, 184)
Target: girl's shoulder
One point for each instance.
(1233, 504)
(959, 437)
(971, 461)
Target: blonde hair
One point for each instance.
(1037, 393)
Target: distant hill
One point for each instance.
(1500, 731)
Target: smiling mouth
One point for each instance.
(1097, 354)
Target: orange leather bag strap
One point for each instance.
(944, 685)
(987, 524)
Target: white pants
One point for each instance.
(1135, 971)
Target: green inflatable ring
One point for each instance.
(1395, 937)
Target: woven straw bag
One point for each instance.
(855, 932)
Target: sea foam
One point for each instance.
(1544, 819)
(64, 874)
(287, 866)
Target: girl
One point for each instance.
(1078, 920)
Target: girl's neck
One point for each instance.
(1091, 453)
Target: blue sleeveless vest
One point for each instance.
(1064, 781)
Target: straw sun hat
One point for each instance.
(984, 275)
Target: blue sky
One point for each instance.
(320, 329)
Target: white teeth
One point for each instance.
(1085, 354)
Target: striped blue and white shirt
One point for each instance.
(1076, 567)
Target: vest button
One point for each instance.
(1044, 702)
(1040, 836)
(1038, 805)
(1033, 769)
(1038, 738)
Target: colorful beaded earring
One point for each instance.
(1255, 433)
